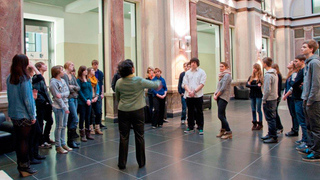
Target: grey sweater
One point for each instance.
(311, 80)
(73, 86)
(59, 87)
(270, 86)
(224, 86)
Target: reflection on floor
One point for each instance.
(171, 154)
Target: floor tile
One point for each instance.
(154, 161)
(274, 168)
(187, 170)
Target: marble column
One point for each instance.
(227, 11)
(10, 43)
(114, 49)
(308, 32)
(10, 36)
(193, 27)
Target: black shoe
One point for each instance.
(141, 166)
(292, 133)
(311, 158)
(271, 140)
(35, 161)
(165, 121)
(73, 145)
(39, 157)
(265, 137)
(103, 126)
(121, 167)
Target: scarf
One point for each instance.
(94, 81)
(227, 71)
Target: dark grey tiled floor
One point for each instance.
(171, 154)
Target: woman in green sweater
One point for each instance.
(130, 94)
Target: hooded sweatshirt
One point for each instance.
(311, 80)
(270, 86)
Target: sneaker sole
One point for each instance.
(311, 160)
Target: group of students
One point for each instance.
(29, 105)
(303, 99)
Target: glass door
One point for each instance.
(38, 43)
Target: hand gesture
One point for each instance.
(35, 94)
(88, 102)
(58, 96)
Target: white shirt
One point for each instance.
(193, 79)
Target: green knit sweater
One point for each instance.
(130, 92)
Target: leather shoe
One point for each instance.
(265, 137)
(271, 140)
(121, 167)
(39, 157)
(292, 133)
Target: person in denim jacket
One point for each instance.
(21, 110)
(60, 93)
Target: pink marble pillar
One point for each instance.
(271, 41)
(227, 11)
(193, 27)
(10, 36)
(117, 33)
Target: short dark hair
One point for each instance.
(196, 60)
(300, 57)
(312, 44)
(55, 71)
(125, 68)
(94, 62)
(39, 64)
(267, 61)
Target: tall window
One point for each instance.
(315, 6)
(130, 40)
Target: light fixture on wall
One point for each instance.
(185, 45)
(188, 43)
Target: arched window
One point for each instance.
(315, 6)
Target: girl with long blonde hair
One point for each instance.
(255, 82)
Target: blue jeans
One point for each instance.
(270, 108)
(256, 107)
(96, 112)
(61, 123)
(73, 119)
(291, 106)
(184, 108)
(301, 119)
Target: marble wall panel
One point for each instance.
(211, 12)
(10, 36)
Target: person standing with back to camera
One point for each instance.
(130, 94)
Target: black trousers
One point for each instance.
(269, 109)
(313, 125)
(195, 111)
(35, 136)
(159, 108)
(136, 119)
(22, 134)
(278, 120)
(44, 112)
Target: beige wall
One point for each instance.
(80, 54)
(208, 64)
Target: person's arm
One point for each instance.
(298, 80)
(266, 88)
(27, 98)
(179, 84)
(81, 95)
(113, 83)
(225, 80)
(117, 92)
(315, 82)
(202, 82)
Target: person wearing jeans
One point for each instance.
(255, 82)
(181, 91)
(222, 96)
(311, 98)
(60, 92)
(269, 100)
(73, 119)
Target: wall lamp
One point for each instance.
(185, 45)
